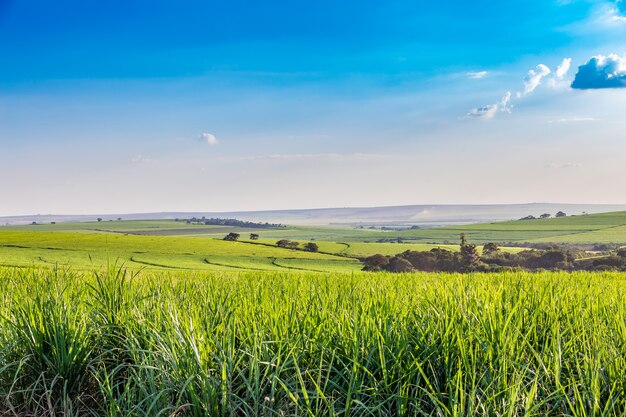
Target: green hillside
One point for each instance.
(87, 250)
(166, 244)
(592, 228)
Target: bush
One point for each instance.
(287, 244)
(232, 236)
(399, 264)
(311, 247)
(375, 262)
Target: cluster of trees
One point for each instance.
(231, 222)
(614, 262)
(119, 219)
(232, 236)
(390, 240)
(492, 259)
(283, 243)
(544, 216)
(292, 244)
(396, 228)
(466, 260)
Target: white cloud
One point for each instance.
(485, 112)
(563, 69)
(533, 79)
(505, 103)
(140, 159)
(316, 157)
(574, 120)
(209, 138)
(489, 111)
(565, 165)
(601, 72)
(619, 11)
(477, 75)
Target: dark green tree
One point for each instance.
(490, 249)
(232, 236)
(287, 244)
(375, 262)
(311, 247)
(469, 255)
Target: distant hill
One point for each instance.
(420, 215)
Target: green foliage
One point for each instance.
(232, 236)
(271, 344)
(288, 244)
(469, 255)
(311, 247)
(490, 249)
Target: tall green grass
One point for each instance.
(270, 344)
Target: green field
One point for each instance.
(593, 228)
(304, 344)
(166, 244)
(194, 325)
(89, 250)
(85, 250)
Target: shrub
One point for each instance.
(311, 247)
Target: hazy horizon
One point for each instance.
(321, 208)
(150, 107)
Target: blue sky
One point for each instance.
(200, 105)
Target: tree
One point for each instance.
(254, 236)
(287, 244)
(232, 236)
(119, 219)
(545, 216)
(490, 249)
(560, 214)
(398, 264)
(311, 247)
(375, 262)
(529, 217)
(99, 219)
(469, 254)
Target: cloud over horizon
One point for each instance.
(565, 165)
(209, 138)
(601, 72)
(357, 156)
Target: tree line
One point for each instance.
(282, 243)
(492, 259)
(231, 222)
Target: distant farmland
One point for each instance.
(166, 244)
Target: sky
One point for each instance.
(148, 106)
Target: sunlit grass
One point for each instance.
(270, 344)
